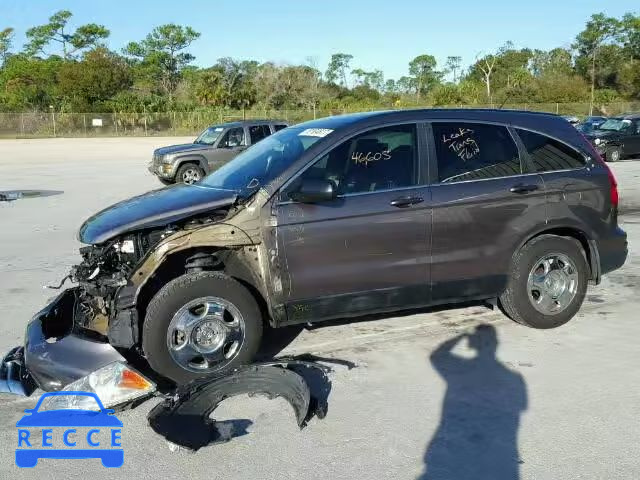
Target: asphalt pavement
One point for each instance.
(503, 400)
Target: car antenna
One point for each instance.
(505, 100)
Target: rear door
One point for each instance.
(632, 144)
(367, 250)
(484, 203)
(574, 194)
(258, 132)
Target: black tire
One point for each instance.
(184, 168)
(613, 154)
(178, 293)
(515, 300)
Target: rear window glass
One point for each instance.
(548, 154)
(472, 151)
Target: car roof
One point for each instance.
(241, 123)
(427, 114)
(546, 123)
(629, 116)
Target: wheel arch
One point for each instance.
(588, 244)
(196, 159)
(176, 264)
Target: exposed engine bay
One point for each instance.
(107, 268)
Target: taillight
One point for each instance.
(613, 185)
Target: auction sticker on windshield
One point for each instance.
(315, 132)
(48, 431)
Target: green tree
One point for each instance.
(630, 35)
(100, 75)
(423, 70)
(6, 40)
(453, 66)
(161, 55)
(599, 30)
(338, 68)
(553, 62)
(29, 83)
(55, 31)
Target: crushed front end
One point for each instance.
(97, 322)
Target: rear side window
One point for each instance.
(548, 154)
(277, 128)
(473, 151)
(258, 132)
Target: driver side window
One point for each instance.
(382, 159)
(233, 138)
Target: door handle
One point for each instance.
(404, 202)
(523, 188)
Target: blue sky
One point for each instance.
(383, 35)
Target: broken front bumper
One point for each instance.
(55, 353)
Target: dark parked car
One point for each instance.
(572, 119)
(590, 123)
(339, 217)
(618, 137)
(190, 162)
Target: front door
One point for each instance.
(233, 141)
(484, 203)
(632, 141)
(367, 250)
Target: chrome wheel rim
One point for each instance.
(615, 155)
(205, 334)
(191, 175)
(552, 283)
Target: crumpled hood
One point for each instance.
(602, 134)
(153, 209)
(185, 147)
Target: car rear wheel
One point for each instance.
(547, 282)
(200, 324)
(189, 173)
(613, 154)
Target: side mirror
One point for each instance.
(314, 191)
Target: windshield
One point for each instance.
(210, 135)
(615, 124)
(586, 127)
(265, 160)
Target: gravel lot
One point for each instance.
(567, 400)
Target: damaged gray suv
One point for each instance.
(339, 217)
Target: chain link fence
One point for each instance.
(53, 124)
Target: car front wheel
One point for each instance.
(200, 324)
(547, 283)
(613, 154)
(189, 173)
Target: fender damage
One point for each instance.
(97, 322)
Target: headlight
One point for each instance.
(115, 384)
(599, 141)
(166, 158)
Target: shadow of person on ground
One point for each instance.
(478, 433)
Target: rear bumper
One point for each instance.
(613, 251)
(54, 353)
